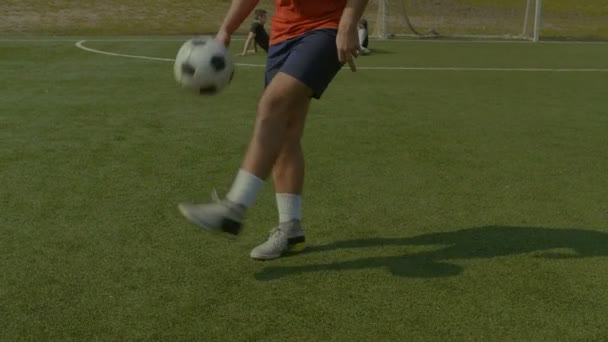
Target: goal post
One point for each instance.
(537, 20)
(455, 19)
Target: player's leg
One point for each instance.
(306, 66)
(283, 101)
(314, 62)
(363, 41)
(288, 179)
(288, 169)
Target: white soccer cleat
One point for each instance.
(287, 237)
(218, 216)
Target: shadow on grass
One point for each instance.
(473, 243)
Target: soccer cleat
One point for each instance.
(288, 236)
(219, 216)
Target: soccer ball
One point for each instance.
(203, 65)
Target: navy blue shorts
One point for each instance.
(311, 58)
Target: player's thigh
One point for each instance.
(285, 96)
(314, 60)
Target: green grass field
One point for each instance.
(462, 205)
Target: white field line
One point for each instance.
(110, 40)
(80, 45)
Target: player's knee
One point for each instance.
(294, 132)
(270, 105)
(278, 106)
(291, 144)
(283, 96)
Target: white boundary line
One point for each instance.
(80, 45)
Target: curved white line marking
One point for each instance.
(80, 45)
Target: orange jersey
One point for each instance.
(294, 17)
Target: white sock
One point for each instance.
(290, 207)
(245, 188)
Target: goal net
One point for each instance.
(508, 19)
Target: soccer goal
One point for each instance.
(501, 19)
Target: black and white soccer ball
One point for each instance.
(203, 65)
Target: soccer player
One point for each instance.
(364, 37)
(257, 33)
(310, 41)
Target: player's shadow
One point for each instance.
(473, 243)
